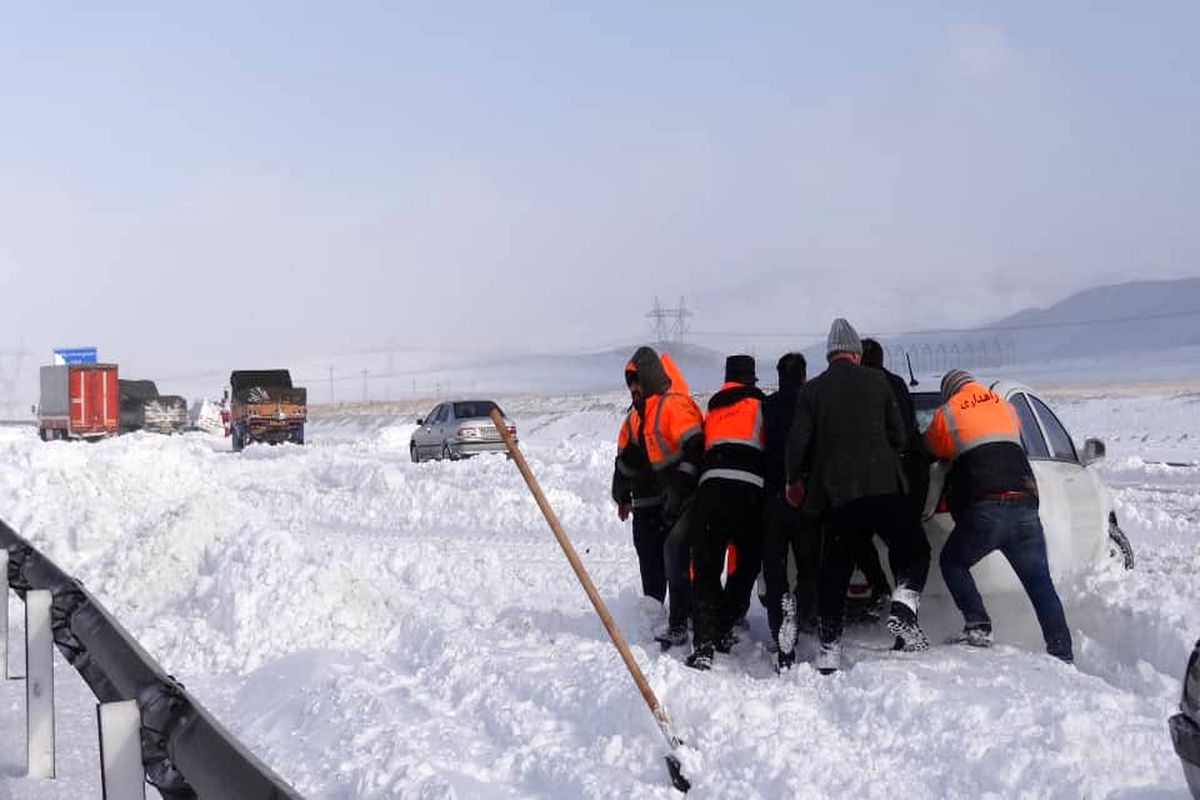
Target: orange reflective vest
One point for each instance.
(973, 417)
(672, 418)
(629, 433)
(734, 435)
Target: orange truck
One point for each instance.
(265, 407)
(79, 401)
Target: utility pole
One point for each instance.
(364, 387)
(331, 397)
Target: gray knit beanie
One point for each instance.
(843, 338)
(954, 380)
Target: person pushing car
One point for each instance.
(993, 498)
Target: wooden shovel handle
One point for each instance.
(610, 625)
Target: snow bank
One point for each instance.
(374, 628)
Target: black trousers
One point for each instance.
(677, 550)
(786, 531)
(916, 473)
(729, 512)
(845, 529)
(649, 536)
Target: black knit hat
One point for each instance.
(740, 369)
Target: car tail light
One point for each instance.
(468, 433)
(512, 430)
(942, 507)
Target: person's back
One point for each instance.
(978, 433)
(856, 436)
(994, 502)
(846, 439)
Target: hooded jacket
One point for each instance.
(673, 426)
(634, 482)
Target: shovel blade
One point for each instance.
(676, 769)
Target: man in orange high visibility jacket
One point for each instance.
(993, 498)
(728, 510)
(674, 439)
(636, 492)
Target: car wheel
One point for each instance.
(414, 453)
(1119, 548)
(237, 442)
(447, 453)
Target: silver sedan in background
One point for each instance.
(458, 429)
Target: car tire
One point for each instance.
(414, 453)
(237, 442)
(447, 453)
(1119, 548)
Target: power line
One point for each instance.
(980, 330)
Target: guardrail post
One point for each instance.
(122, 775)
(39, 684)
(3, 614)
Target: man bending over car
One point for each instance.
(993, 499)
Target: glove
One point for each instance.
(795, 493)
(623, 511)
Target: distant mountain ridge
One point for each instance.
(1124, 318)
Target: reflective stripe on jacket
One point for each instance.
(979, 433)
(973, 417)
(671, 420)
(734, 435)
(633, 480)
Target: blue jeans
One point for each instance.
(1013, 528)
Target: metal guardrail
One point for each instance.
(186, 753)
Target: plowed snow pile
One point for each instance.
(375, 628)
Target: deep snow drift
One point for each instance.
(375, 628)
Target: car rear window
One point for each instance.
(474, 408)
(925, 404)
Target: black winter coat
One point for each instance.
(846, 437)
(778, 410)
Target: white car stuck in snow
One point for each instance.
(1075, 506)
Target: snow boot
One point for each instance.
(788, 628)
(673, 636)
(784, 661)
(975, 634)
(902, 622)
(829, 657)
(701, 658)
(726, 641)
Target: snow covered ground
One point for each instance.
(374, 628)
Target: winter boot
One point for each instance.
(674, 636)
(975, 634)
(726, 641)
(902, 621)
(879, 606)
(701, 658)
(788, 628)
(784, 661)
(829, 657)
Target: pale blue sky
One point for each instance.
(264, 181)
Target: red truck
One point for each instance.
(79, 401)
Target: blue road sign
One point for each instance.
(75, 355)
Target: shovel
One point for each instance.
(674, 768)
